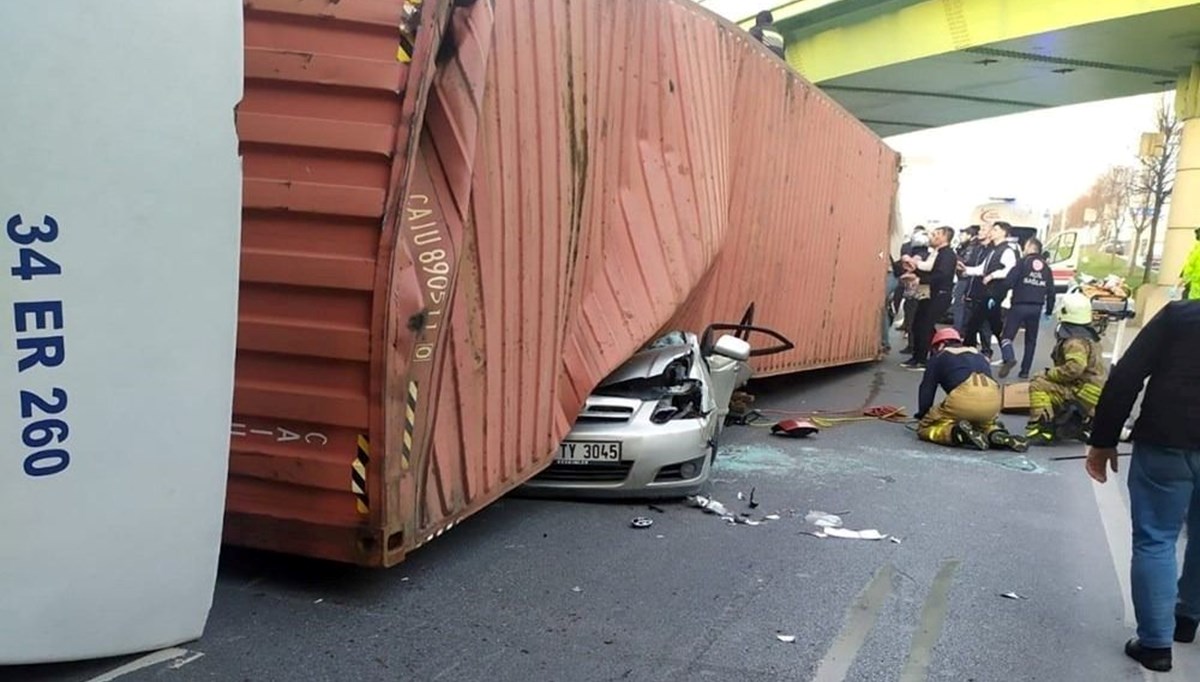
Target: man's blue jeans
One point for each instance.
(1164, 489)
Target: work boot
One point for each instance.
(1185, 629)
(966, 435)
(1006, 368)
(1003, 439)
(1158, 660)
(1039, 433)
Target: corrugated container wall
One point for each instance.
(431, 287)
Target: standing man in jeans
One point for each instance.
(936, 273)
(1164, 475)
(1032, 287)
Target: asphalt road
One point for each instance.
(552, 590)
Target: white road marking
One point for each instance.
(1115, 517)
(154, 658)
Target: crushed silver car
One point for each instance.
(650, 428)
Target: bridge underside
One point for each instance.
(1120, 57)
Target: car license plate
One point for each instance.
(588, 452)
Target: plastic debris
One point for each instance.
(1012, 595)
(771, 517)
(847, 534)
(895, 539)
(577, 589)
(794, 428)
(641, 522)
(318, 601)
(656, 508)
(660, 536)
(786, 639)
(741, 496)
(823, 519)
(753, 504)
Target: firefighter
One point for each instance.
(967, 417)
(1074, 383)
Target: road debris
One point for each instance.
(641, 522)
(847, 534)
(752, 503)
(895, 539)
(771, 517)
(656, 508)
(794, 428)
(577, 589)
(740, 496)
(786, 639)
(1013, 595)
(823, 519)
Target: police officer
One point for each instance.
(1032, 290)
(764, 31)
(967, 417)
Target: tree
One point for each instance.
(1153, 181)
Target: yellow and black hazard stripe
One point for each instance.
(358, 476)
(408, 31)
(410, 420)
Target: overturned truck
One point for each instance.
(454, 230)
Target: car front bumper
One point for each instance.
(655, 461)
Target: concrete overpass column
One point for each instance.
(1184, 215)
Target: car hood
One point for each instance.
(647, 364)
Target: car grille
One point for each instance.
(605, 472)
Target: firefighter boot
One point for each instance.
(967, 436)
(1004, 440)
(1039, 433)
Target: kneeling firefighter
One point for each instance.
(1063, 400)
(967, 417)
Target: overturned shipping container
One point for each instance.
(453, 231)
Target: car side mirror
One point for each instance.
(732, 347)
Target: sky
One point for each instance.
(1043, 159)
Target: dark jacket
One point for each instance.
(1167, 350)
(972, 255)
(948, 369)
(1032, 283)
(941, 278)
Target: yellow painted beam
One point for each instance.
(937, 27)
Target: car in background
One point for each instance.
(650, 429)
(1113, 247)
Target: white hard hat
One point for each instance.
(1075, 308)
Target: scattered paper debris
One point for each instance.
(1012, 595)
(404, 579)
(823, 519)
(577, 589)
(771, 517)
(740, 496)
(318, 601)
(660, 536)
(786, 639)
(641, 522)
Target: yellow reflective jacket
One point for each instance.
(1077, 357)
(1191, 273)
